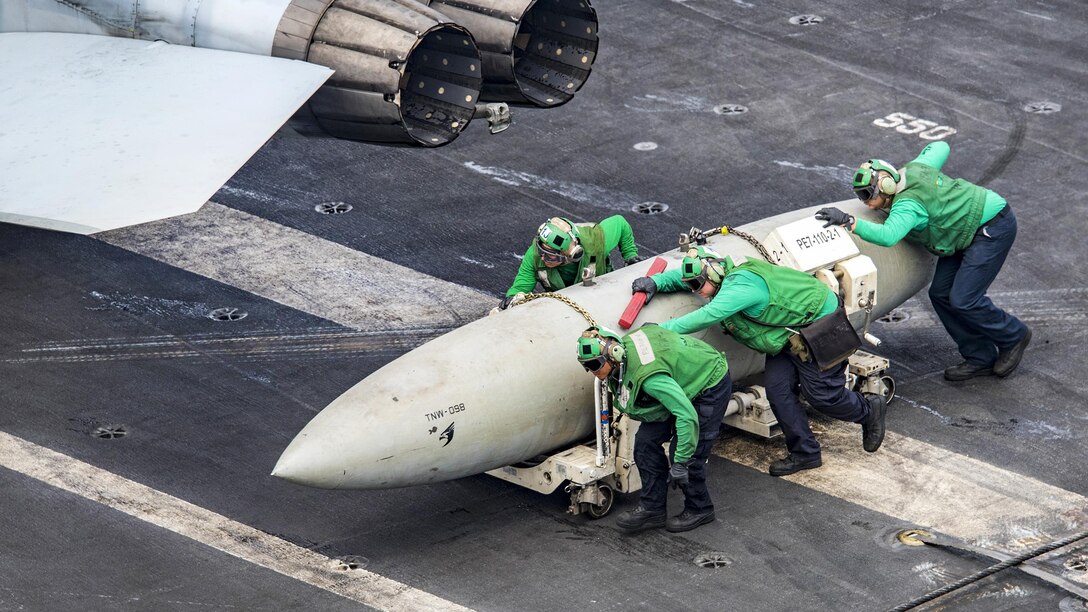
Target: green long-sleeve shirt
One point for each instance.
(741, 291)
(665, 390)
(908, 214)
(617, 232)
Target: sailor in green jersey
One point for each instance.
(561, 250)
(760, 305)
(677, 388)
(970, 229)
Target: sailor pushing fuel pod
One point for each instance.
(763, 306)
(970, 229)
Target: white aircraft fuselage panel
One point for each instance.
(246, 26)
(98, 133)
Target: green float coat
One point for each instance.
(754, 298)
(664, 371)
(954, 207)
(795, 298)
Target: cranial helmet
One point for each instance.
(702, 264)
(597, 342)
(866, 183)
(559, 235)
(703, 252)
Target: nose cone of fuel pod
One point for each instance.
(506, 388)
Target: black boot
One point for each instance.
(1008, 360)
(688, 520)
(965, 371)
(791, 464)
(872, 430)
(639, 519)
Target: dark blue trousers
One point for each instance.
(653, 465)
(958, 293)
(825, 391)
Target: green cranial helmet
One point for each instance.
(864, 176)
(589, 346)
(702, 264)
(596, 342)
(559, 235)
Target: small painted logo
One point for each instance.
(447, 435)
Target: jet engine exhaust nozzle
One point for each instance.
(405, 74)
(535, 52)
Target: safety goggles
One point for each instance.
(696, 283)
(549, 256)
(865, 193)
(592, 365)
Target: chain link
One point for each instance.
(750, 239)
(562, 298)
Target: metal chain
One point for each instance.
(562, 298)
(750, 239)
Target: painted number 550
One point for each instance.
(909, 124)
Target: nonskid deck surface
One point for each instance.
(138, 431)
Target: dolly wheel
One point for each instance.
(889, 388)
(597, 511)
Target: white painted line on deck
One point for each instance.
(302, 271)
(584, 193)
(929, 487)
(211, 529)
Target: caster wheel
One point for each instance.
(889, 388)
(597, 511)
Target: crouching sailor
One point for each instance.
(677, 387)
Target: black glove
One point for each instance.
(678, 475)
(634, 259)
(505, 303)
(834, 216)
(644, 284)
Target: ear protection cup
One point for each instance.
(715, 271)
(616, 352)
(886, 185)
(577, 252)
(610, 343)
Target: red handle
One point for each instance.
(637, 300)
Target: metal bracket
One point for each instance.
(693, 237)
(867, 304)
(750, 411)
(497, 114)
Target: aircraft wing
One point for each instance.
(98, 133)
